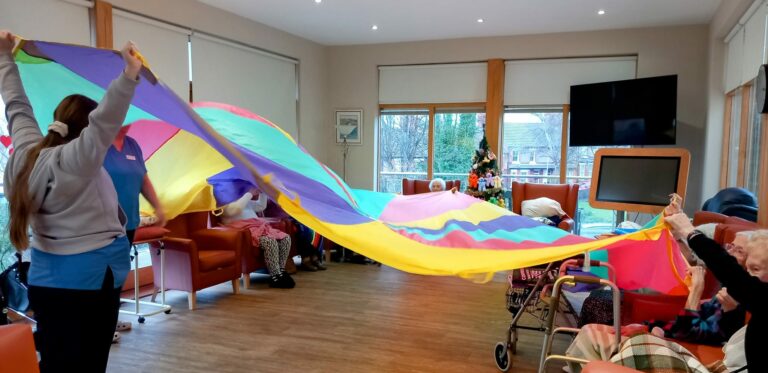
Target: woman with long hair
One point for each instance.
(56, 185)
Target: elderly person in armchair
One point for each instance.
(437, 185)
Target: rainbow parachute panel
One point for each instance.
(204, 155)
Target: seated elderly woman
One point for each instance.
(744, 274)
(275, 244)
(437, 185)
(712, 322)
(747, 285)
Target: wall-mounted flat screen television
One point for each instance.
(625, 112)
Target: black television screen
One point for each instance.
(625, 112)
(626, 179)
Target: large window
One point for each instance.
(735, 138)
(532, 153)
(457, 135)
(752, 169)
(531, 145)
(403, 144)
(406, 149)
(6, 251)
(592, 221)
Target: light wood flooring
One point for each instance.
(351, 318)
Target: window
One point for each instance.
(403, 148)
(538, 132)
(733, 145)
(457, 136)
(752, 166)
(6, 251)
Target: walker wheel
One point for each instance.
(142, 319)
(167, 312)
(501, 355)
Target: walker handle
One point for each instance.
(587, 279)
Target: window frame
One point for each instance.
(432, 109)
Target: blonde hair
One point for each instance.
(757, 240)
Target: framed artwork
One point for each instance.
(349, 126)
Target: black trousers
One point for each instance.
(75, 327)
(131, 233)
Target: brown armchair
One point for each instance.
(566, 194)
(252, 257)
(198, 257)
(411, 186)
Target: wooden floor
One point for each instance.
(351, 318)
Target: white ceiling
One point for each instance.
(344, 22)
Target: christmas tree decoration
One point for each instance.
(484, 179)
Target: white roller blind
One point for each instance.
(446, 83)
(237, 75)
(164, 46)
(733, 64)
(48, 20)
(754, 44)
(548, 82)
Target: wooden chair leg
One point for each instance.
(246, 280)
(154, 294)
(192, 300)
(236, 286)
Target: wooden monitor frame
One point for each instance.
(682, 176)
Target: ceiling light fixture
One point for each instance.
(480, 20)
(601, 12)
(374, 27)
(318, 1)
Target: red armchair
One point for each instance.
(411, 186)
(727, 226)
(566, 194)
(17, 349)
(198, 257)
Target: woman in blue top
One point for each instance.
(125, 164)
(56, 186)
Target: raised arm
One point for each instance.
(743, 287)
(85, 154)
(22, 125)
(236, 207)
(260, 204)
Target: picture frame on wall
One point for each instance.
(349, 126)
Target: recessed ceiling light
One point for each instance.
(374, 27)
(601, 12)
(318, 1)
(480, 20)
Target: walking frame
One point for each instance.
(160, 307)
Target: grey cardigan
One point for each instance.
(74, 206)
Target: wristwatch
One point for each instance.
(693, 234)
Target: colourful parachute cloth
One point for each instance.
(200, 159)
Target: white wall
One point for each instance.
(353, 79)
(312, 56)
(725, 18)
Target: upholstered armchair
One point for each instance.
(411, 186)
(566, 194)
(198, 257)
(17, 349)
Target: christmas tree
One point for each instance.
(484, 177)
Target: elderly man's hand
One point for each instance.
(680, 225)
(726, 301)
